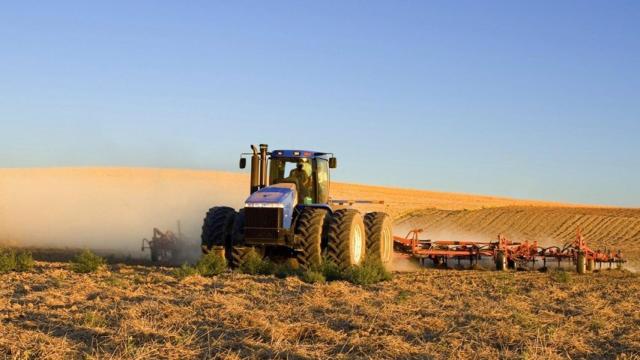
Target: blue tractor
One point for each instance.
(289, 215)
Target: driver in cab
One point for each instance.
(299, 174)
(302, 178)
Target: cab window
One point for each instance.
(322, 176)
(295, 171)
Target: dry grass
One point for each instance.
(138, 312)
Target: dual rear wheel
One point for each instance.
(344, 238)
(379, 228)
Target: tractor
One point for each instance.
(289, 214)
(165, 247)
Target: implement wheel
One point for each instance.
(346, 245)
(591, 264)
(379, 232)
(581, 263)
(438, 261)
(217, 229)
(308, 231)
(501, 261)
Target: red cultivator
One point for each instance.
(164, 246)
(506, 253)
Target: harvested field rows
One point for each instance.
(138, 312)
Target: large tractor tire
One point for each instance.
(346, 238)
(379, 230)
(238, 252)
(308, 231)
(237, 232)
(217, 229)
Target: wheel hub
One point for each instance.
(358, 245)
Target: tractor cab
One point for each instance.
(308, 171)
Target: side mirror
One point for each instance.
(243, 163)
(333, 163)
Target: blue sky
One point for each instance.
(536, 99)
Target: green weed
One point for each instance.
(367, 273)
(86, 262)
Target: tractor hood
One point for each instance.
(279, 195)
(283, 196)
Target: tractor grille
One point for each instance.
(263, 225)
(265, 218)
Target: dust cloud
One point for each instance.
(109, 209)
(402, 263)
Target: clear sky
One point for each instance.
(537, 99)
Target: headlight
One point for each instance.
(264, 205)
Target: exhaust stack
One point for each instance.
(259, 161)
(255, 168)
(263, 165)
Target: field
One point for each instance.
(129, 311)
(141, 312)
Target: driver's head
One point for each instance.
(299, 166)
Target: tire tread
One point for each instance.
(339, 230)
(216, 228)
(309, 229)
(373, 224)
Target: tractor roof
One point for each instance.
(297, 154)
